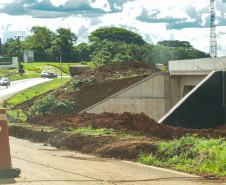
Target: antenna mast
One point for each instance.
(213, 39)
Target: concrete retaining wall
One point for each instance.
(153, 96)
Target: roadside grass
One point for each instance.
(37, 128)
(92, 132)
(34, 70)
(190, 154)
(36, 90)
(20, 124)
(18, 115)
(25, 76)
(102, 132)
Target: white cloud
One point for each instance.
(58, 2)
(102, 4)
(192, 11)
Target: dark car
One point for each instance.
(45, 74)
(55, 75)
(5, 81)
(52, 75)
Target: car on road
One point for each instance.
(55, 75)
(5, 81)
(51, 75)
(44, 74)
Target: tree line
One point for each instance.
(105, 45)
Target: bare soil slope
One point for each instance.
(107, 80)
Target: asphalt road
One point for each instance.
(19, 85)
(46, 165)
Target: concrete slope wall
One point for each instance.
(150, 96)
(200, 108)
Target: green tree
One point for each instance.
(161, 54)
(183, 50)
(1, 47)
(116, 34)
(65, 42)
(10, 48)
(83, 51)
(40, 42)
(175, 43)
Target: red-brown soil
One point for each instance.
(109, 79)
(129, 123)
(126, 123)
(106, 146)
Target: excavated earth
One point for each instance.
(105, 81)
(145, 130)
(109, 79)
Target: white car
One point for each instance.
(5, 81)
(45, 74)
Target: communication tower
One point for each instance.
(213, 39)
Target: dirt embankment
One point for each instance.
(106, 146)
(107, 80)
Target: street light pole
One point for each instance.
(18, 38)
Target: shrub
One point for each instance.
(49, 104)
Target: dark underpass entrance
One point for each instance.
(203, 106)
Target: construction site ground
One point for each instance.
(126, 135)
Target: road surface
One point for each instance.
(19, 85)
(46, 165)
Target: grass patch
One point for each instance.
(36, 90)
(190, 154)
(17, 114)
(92, 132)
(20, 124)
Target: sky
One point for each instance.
(154, 20)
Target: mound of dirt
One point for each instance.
(129, 123)
(118, 69)
(108, 79)
(106, 145)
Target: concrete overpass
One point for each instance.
(156, 95)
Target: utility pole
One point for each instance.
(61, 70)
(21, 71)
(213, 39)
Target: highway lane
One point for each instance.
(19, 85)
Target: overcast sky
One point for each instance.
(154, 20)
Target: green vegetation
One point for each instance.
(191, 154)
(36, 90)
(105, 45)
(25, 76)
(17, 114)
(35, 69)
(116, 34)
(49, 104)
(62, 67)
(102, 132)
(93, 132)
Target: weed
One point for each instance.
(191, 154)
